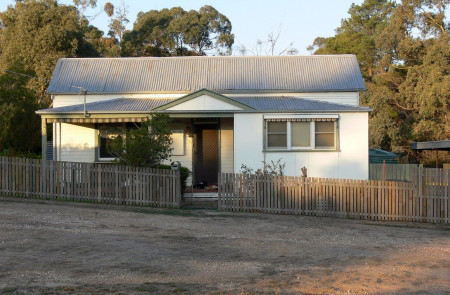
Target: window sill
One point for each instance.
(104, 160)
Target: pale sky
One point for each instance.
(301, 20)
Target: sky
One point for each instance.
(301, 21)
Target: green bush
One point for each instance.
(183, 175)
(15, 154)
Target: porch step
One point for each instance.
(198, 203)
(203, 195)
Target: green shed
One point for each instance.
(377, 156)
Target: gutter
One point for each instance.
(362, 110)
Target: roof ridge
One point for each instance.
(209, 57)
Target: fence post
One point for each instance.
(240, 193)
(219, 190)
(99, 184)
(58, 179)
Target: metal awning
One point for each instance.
(442, 145)
(95, 120)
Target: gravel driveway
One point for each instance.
(49, 247)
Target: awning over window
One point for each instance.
(301, 118)
(94, 120)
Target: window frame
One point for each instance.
(277, 133)
(312, 131)
(99, 140)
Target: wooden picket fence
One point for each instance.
(393, 172)
(90, 182)
(425, 199)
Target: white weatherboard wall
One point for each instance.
(204, 103)
(226, 145)
(351, 161)
(61, 100)
(77, 142)
(349, 98)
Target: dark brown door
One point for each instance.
(206, 156)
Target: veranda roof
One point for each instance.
(266, 104)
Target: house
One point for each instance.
(227, 111)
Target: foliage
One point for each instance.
(117, 23)
(268, 46)
(272, 168)
(145, 146)
(13, 153)
(19, 125)
(176, 32)
(35, 33)
(403, 50)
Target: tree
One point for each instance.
(19, 124)
(145, 146)
(176, 32)
(268, 47)
(404, 54)
(117, 23)
(35, 33)
(357, 34)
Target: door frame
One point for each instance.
(205, 121)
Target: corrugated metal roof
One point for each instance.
(186, 74)
(120, 105)
(134, 105)
(283, 103)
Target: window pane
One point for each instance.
(276, 126)
(324, 126)
(325, 140)
(277, 140)
(177, 142)
(104, 141)
(300, 134)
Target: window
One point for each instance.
(324, 135)
(276, 135)
(103, 150)
(298, 134)
(107, 132)
(178, 142)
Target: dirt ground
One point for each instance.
(49, 247)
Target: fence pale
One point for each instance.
(99, 183)
(425, 198)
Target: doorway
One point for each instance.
(206, 155)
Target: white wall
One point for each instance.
(71, 99)
(226, 145)
(204, 103)
(77, 142)
(350, 98)
(351, 161)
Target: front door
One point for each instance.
(206, 155)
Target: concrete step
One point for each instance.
(199, 203)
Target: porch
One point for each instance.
(204, 145)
